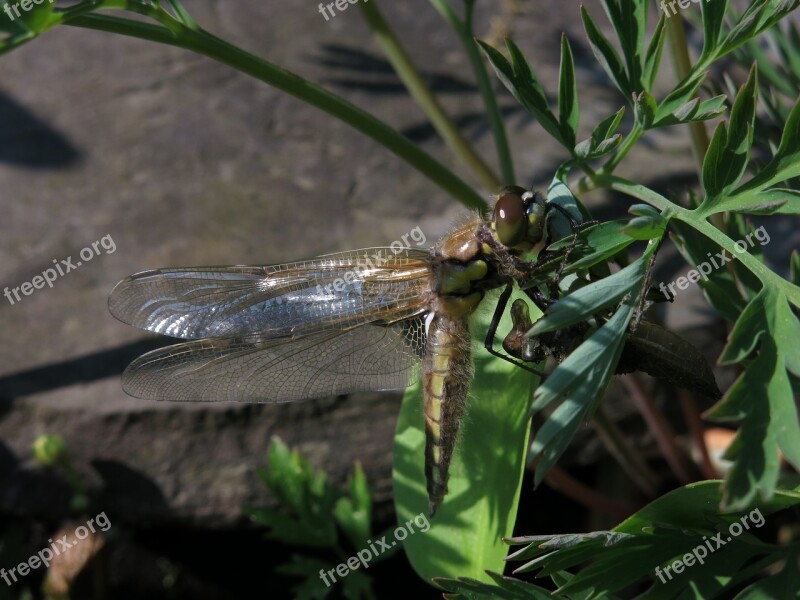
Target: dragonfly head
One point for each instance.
(519, 218)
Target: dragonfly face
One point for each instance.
(284, 333)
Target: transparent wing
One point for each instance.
(336, 291)
(255, 369)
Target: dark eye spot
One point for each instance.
(509, 218)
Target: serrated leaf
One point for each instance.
(762, 396)
(666, 529)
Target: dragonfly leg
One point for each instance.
(502, 303)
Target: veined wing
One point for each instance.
(336, 291)
(257, 369)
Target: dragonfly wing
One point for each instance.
(257, 369)
(336, 291)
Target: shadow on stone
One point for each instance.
(27, 141)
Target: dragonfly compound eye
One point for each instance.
(510, 219)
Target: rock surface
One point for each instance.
(182, 161)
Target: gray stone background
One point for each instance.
(183, 161)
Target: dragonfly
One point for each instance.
(284, 333)
(368, 320)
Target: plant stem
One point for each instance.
(465, 33)
(204, 43)
(697, 221)
(424, 97)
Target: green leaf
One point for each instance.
(694, 110)
(502, 588)
(676, 99)
(644, 109)
(485, 475)
(603, 139)
(520, 80)
(720, 288)
(357, 586)
(304, 493)
(629, 20)
(584, 303)
(581, 379)
(667, 529)
(728, 154)
(308, 568)
(354, 514)
(762, 396)
(646, 227)
(713, 17)
(652, 59)
(38, 18)
(568, 112)
(606, 55)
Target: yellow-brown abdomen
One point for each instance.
(446, 374)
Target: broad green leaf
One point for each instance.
(464, 538)
(568, 112)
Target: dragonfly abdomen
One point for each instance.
(446, 373)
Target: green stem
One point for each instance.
(202, 42)
(424, 98)
(628, 143)
(465, 33)
(698, 222)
